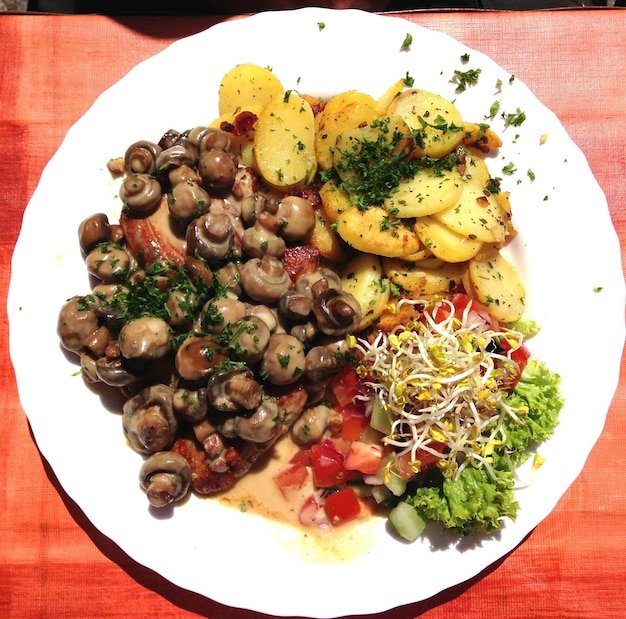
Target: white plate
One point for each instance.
(240, 559)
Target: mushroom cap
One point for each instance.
(336, 312)
(297, 216)
(76, 323)
(165, 476)
(284, 358)
(93, 231)
(145, 338)
(140, 193)
(141, 157)
(264, 279)
(210, 236)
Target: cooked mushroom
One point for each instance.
(145, 338)
(337, 312)
(174, 157)
(141, 157)
(110, 263)
(309, 428)
(165, 476)
(140, 193)
(197, 356)
(313, 283)
(180, 306)
(320, 364)
(297, 217)
(263, 425)
(93, 231)
(187, 200)
(233, 391)
(217, 169)
(267, 314)
(77, 321)
(190, 404)
(210, 236)
(252, 206)
(148, 419)
(248, 339)
(283, 361)
(229, 277)
(295, 306)
(183, 174)
(213, 138)
(305, 331)
(258, 241)
(198, 271)
(112, 371)
(218, 313)
(264, 279)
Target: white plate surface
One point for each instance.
(214, 547)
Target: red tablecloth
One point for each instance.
(53, 563)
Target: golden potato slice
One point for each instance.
(374, 231)
(334, 200)
(476, 215)
(504, 203)
(362, 278)
(284, 142)
(383, 102)
(350, 116)
(426, 193)
(496, 283)
(419, 279)
(481, 137)
(341, 99)
(437, 118)
(445, 243)
(324, 238)
(247, 85)
(476, 169)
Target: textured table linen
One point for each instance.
(54, 563)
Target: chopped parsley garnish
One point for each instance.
(465, 78)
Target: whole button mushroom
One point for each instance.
(320, 364)
(258, 241)
(148, 419)
(284, 359)
(314, 283)
(337, 312)
(141, 157)
(145, 338)
(165, 477)
(110, 263)
(197, 356)
(140, 193)
(174, 157)
(264, 279)
(210, 236)
(93, 231)
(217, 169)
(76, 323)
(233, 391)
(249, 339)
(187, 200)
(297, 216)
(262, 426)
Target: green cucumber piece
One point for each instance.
(406, 521)
(396, 484)
(379, 420)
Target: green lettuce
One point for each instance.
(478, 500)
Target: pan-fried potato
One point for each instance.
(502, 198)
(327, 241)
(383, 102)
(437, 118)
(334, 200)
(332, 123)
(284, 142)
(247, 85)
(241, 145)
(422, 278)
(496, 283)
(481, 137)
(374, 231)
(476, 169)
(362, 278)
(445, 243)
(476, 215)
(426, 193)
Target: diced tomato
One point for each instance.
(312, 512)
(328, 465)
(292, 477)
(353, 427)
(345, 386)
(302, 456)
(402, 464)
(460, 302)
(364, 457)
(342, 506)
(520, 355)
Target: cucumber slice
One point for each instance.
(396, 484)
(406, 521)
(379, 419)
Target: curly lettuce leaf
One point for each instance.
(539, 391)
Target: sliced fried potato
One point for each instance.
(476, 169)
(333, 121)
(247, 85)
(481, 137)
(504, 203)
(383, 102)
(284, 142)
(374, 231)
(445, 243)
(362, 278)
(324, 238)
(334, 200)
(419, 280)
(496, 283)
(241, 145)
(426, 193)
(435, 117)
(476, 215)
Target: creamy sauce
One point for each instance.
(257, 493)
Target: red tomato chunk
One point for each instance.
(327, 462)
(292, 477)
(342, 506)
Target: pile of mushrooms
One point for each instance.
(239, 326)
